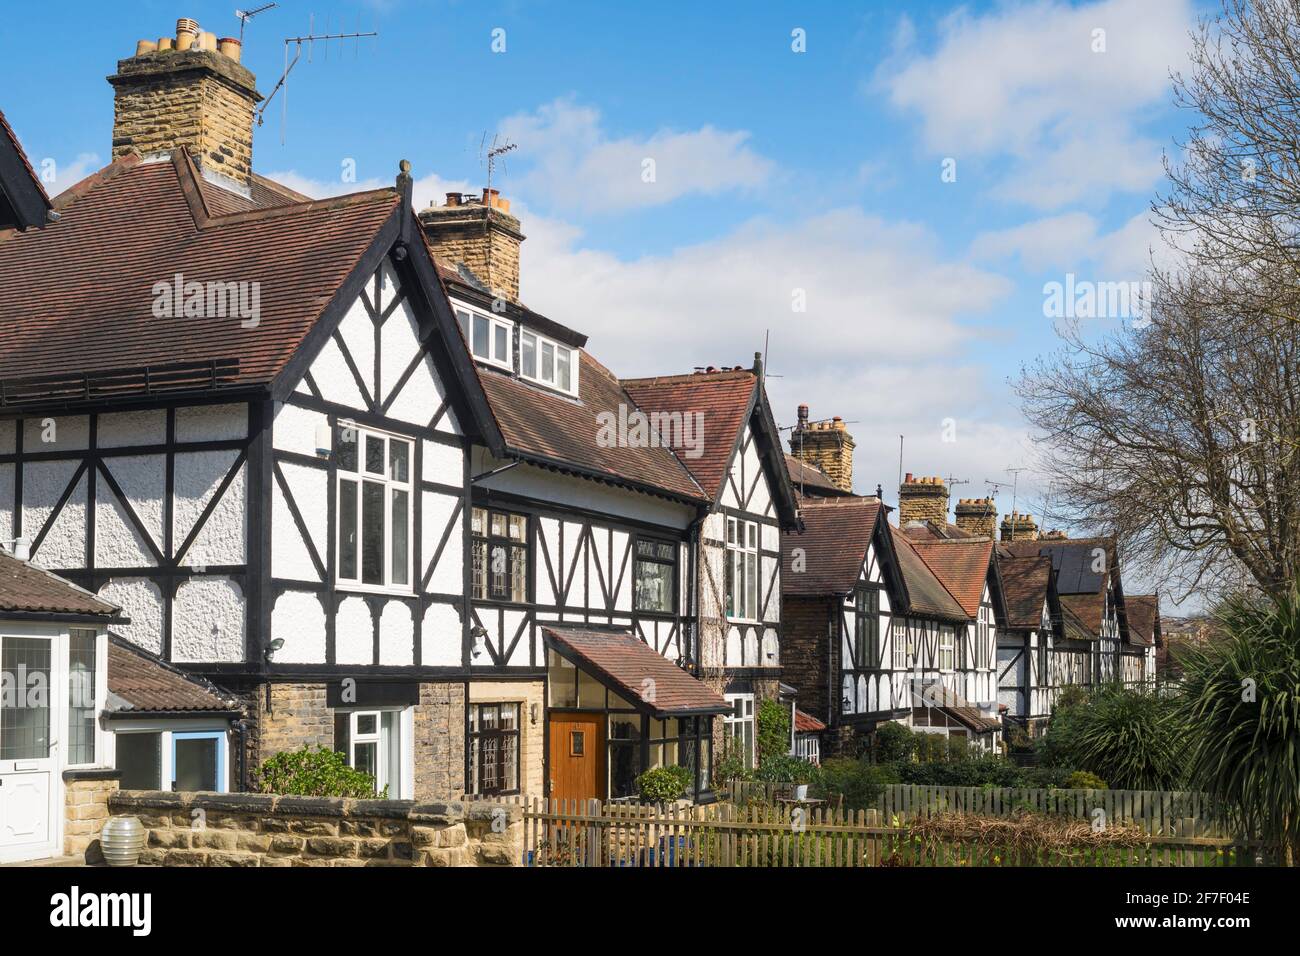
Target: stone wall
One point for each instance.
(828, 446)
(805, 649)
(922, 499)
(239, 829)
(485, 238)
(299, 715)
(196, 98)
(85, 809)
(978, 516)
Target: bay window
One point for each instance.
(499, 545)
(742, 569)
(656, 573)
(374, 509)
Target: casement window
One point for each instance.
(742, 569)
(81, 696)
(866, 628)
(902, 645)
(157, 757)
(494, 748)
(656, 574)
(500, 555)
(378, 742)
(489, 337)
(947, 639)
(739, 726)
(374, 509)
(548, 362)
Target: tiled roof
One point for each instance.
(559, 430)
(961, 565)
(927, 597)
(29, 588)
(809, 480)
(1087, 609)
(832, 546)
(934, 530)
(625, 664)
(953, 704)
(807, 723)
(1024, 587)
(1143, 611)
(77, 295)
(139, 683)
(722, 397)
(263, 194)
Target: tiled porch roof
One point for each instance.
(625, 663)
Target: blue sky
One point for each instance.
(779, 175)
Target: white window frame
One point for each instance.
(742, 559)
(900, 643)
(734, 726)
(167, 729)
(404, 725)
(495, 323)
(361, 477)
(540, 376)
(947, 648)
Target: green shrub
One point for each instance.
(857, 781)
(1130, 738)
(786, 769)
(663, 784)
(894, 743)
(983, 771)
(1083, 780)
(1241, 702)
(730, 765)
(773, 729)
(313, 772)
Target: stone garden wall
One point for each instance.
(244, 829)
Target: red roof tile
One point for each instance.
(961, 565)
(139, 683)
(926, 594)
(1143, 612)
(724, 400)
(628, 666)
(807, 723)
(1024, 588)
(826, 557)
(77, 295)
(29, 588)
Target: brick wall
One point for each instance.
(256, 830)
(440, 741)
(922, 499)
(829, 447)
(978, 516)
(804, 639)
(197, 98)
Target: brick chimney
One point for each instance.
(922, 499)
(825, 445)
(1018, 527)
(189, 90)
(479, 234)
(1057, 535)
(978, 516)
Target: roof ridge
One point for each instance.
(929, 567)
(702, 378)
(77, 190)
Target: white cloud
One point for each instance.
(1073, 241)
(881, 344)
(1024, 81)
(567, 157)
(57, 177)
(425, 190)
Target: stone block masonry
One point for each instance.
(85, 810)
(260, 830)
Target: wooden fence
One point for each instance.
(1160, 813)
(590, 833)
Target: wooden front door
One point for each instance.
(577, 756)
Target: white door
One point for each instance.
(28, 788)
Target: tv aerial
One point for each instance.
(246, 15)
(489, 155)
(308, 41)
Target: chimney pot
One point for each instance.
(231, 47)
(166, 43)
(145, 46)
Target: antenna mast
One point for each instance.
(246, 15)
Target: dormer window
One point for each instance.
(488, 336)
(547, 362)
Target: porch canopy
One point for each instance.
(927, 694)
(635, 671)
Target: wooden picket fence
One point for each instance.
(1160, 813)
(590, 833)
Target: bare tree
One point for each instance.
(1181, 436)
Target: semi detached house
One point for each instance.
(311, 473)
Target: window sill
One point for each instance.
(353, 588)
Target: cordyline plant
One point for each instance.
(1241, 697)
(1132, 739)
